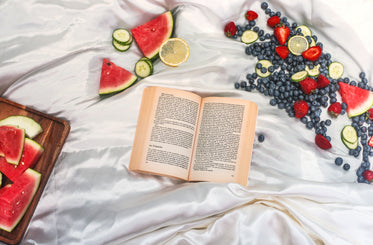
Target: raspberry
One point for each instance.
(368, 175)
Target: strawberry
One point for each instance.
(281, 32)
(273, 21)
(322, 142)
(300, 108)
(230, 29)
(370, 114)
(368, 175)
(370, 142)
(251, 15)
(335, 109)
(308, 85)
(282, 51)
(322, 81)
(313, 53)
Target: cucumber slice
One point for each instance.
(120, 47)
(249, 36)
(349, 134)
(299, 76)
(315, 71)
(122, 36)
(265, 64)
(336, 70)
(143, 68)
(351, 146)
(31, 127)
(305, 30)
(297, 44)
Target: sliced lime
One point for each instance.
(299, 76)
(336, 70)
(349, 145)
(304, 30)
(297, 44)
(315, 71)
(349, 134)
(264, 64)
(249, 36)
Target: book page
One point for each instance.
(165, 132)
(224, 140)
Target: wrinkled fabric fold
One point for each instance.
(50, 60)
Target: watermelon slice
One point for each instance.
(114, 78)
(150, 36)
(11, 143)
(32, 151)
(31, 127)
(15, 198)
(358, 100)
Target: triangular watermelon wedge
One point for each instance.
(114, 78)
(150, 35)
(358, 100)
(32, 151)
(12, 140)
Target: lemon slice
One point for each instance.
(299, 76)
(305, 30)
(315, 71)
(297, 44)
(336, 70)
(249, 36)
(174, 52)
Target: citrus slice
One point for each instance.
(336, 70)
(297, 44)
(249, 36)
(174, 52)
(265, 64)
(315, 71)
(299, 76)
(349, 134)
(304, 30)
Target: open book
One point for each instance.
(182, 135)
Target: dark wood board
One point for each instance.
(52, 138)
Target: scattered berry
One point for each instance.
(346, 166)
(230, 29)
(368, 175)
(282, 33)
(338, 161)
(313, 53)
(300, 108)
(261, 137)
(308, 85)
(335, 109)
(370, 141)
(282, 51)
(370, 114)
(273, 21)
(322, 142)
(322, 81)
(251, 15)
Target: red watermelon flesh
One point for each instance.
(11, 143)
(150, 36)
(15, 198)
(114, 78)
(358, 100)
(32, 151)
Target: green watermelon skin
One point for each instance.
(358, 100)
(32, 151)
(15, 198)
(114, 78)
(150, 35)
(12, 141)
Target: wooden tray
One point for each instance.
(52, 138)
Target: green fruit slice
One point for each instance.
(315, 71)
(349, 134)
(297, 44)
(31, 127)
(249, 36)
(299, 76)
(351, 146)
(336, 70)
(122, 36)
(265, 64)
(304, 30)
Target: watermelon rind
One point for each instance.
(31, 127)
(143, 37)
(349, 92)
(32, 175)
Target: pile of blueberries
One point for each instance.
(283, 92)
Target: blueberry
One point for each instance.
(261, 138)
(338, 161)
(264, 5)
(237, 85)
(362, 75)
(346, 166)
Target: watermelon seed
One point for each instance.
(153, 29)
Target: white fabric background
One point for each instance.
(50, 60)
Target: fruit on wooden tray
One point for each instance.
(31, 127)
(12, 140)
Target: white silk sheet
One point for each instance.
(50, 59)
